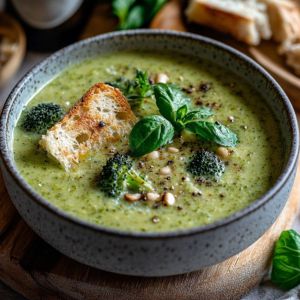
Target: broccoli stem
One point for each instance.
(136, 183)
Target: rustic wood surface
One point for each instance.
(37, 271)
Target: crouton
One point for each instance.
(102, 116)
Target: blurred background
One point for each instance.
(266, 30)
(31, 30)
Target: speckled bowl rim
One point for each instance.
(279, 184)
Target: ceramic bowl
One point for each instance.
(137, 253)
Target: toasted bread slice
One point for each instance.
(284, 17)
(247, 21)
(102, 116)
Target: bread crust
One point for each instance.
(284, 18)
(243, 26)
(103, 115)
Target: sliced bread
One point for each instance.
(284, 17)
(103, 115)
(245, 20)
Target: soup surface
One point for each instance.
(251, 170)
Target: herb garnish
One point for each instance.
(135, 90)
(135, 13)
(171, 101)
(175, 108)
(174, 105)
(149, 134)
(286, 260)
(213, 132)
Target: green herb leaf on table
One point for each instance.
(149, 134)
(213, 132)
(136, 13)
(286, 260)
(135, 18)
(121, 9)
(169, 99)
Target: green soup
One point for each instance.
(250, 172)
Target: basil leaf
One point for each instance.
(121, 8)
(135, 18)
(136, 13)
(149, 134)
(181, 112)
(286, 260)
(213, 132)
(169, 98)
(200, 114)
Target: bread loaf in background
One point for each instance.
(284, 16)
(245, 20)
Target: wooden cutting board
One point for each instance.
(37, 271)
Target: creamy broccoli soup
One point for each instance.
(177, 197)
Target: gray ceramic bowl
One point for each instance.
(150, 254)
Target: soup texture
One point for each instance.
(250, 170)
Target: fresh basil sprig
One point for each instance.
(286, 260)
(135, 13)
(174, 105)
(149, 134)
(153, 132)
(171, 101)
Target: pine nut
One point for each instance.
(173, 150)
(165, 171)
(152, 196)
(168, 199)
(161, 78)
(223, 152)
(153, 155)
(231, 119)
(132, 197)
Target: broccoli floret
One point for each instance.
(206, 165)
(40, 118)
(118, 175)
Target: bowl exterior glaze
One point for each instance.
(150, 254)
